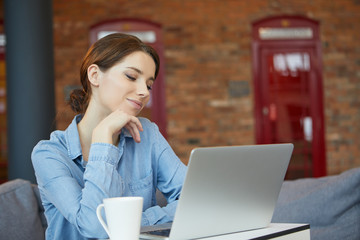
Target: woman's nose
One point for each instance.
(143, 90)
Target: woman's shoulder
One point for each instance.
(147, 124)
(56, 144)
(151, 130)
(60, 140)
(54, 136)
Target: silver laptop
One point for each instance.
(226, 190)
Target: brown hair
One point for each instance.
(105, 53)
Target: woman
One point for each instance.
(107, 151)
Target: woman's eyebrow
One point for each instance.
(140, 72)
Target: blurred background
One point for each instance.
(232, 73)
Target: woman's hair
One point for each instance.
(105, 53)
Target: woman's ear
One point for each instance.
(94, 73)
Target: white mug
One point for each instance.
(123, 217)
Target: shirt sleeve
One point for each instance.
(170, 178)
(75, 202)
(159, 215)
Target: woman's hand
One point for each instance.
(108, 130)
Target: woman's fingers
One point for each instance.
(134, 126)
(136, 123)
(110, 127)
(134, 132)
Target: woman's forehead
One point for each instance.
(138, 61)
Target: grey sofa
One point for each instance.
(331, 205)
(21, 212)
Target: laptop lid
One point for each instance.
(230, 189)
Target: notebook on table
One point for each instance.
(226, 190)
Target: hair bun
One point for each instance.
(77, 100)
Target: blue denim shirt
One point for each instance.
(71, 188)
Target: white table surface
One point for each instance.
(274, 231)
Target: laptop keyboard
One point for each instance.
(163, 232)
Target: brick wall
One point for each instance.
(208, 55)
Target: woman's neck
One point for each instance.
(86, 126)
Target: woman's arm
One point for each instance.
(59, 180)
(76, 194)
(170, 178)
(171, 190)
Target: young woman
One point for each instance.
(107, 151)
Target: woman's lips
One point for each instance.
(135, 103)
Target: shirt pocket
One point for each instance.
(143, 188)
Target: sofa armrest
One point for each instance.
(331, 205)
(19, 218)
(40, 206)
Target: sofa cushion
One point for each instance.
(19, 218)
(331, 205)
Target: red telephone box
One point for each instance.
(151, 34)
(287, 73)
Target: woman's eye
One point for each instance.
(130, 77)
(149, 88)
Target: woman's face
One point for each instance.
(126, 85)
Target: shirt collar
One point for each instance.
(73, 139)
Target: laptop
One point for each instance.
(226, 190)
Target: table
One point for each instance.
(278, 231)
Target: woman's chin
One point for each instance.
(134, 113)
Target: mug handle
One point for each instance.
(101, 220)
